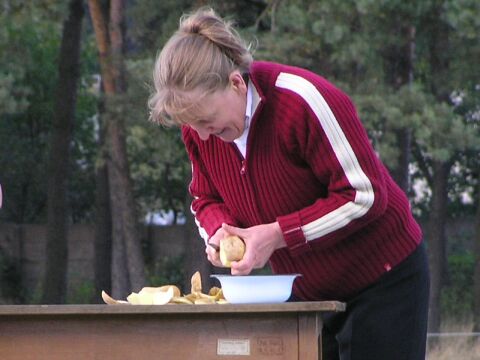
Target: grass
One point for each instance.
(454, 347)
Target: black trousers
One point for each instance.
(386, 321)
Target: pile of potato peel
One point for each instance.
(170, 294)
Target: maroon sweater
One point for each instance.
(310, 166)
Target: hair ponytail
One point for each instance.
(201, 55)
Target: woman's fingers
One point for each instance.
(213, 257)
(232, 230)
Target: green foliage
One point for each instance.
(158, 161)
(41, 11)
(25, 119)
(11, 290)
(83, 293)
(355, 44)
(384, 111)
(34, 296)
(165, 271)
(24, 124)
(84, 149)
(159, 167)
(457, 295)
(443, 133)
(153, 22)
(359, 45)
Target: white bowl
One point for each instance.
(256, 289)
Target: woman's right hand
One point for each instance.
(212, 254)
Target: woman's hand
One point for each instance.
(212, 254)
(261, 241)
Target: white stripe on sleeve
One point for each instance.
(364, 195)
(201, 230)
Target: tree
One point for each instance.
(103, 223)
(447, 132)
(25, 113)
(438, 146)
(159, 162)
(55, 280)
(196, 259)
(476, 276)
(30, 39)
(399, 58)
(126, 246)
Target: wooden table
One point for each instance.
(286, 331)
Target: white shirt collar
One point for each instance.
(241, 142)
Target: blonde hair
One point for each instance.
(196, 61)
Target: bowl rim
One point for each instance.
(254, 276)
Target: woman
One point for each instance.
(280, 158)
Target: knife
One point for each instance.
(216, 247)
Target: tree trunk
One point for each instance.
(401, 173)
(128, 273)
(437, 241)
(55, 280)
(103, 224)
(476, 276)
(196, 258)
(405, 68)
(126, 240)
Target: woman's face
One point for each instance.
(222, 113)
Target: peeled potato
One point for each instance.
(232, 248)
(164, 288)
(134, 299)
(163, 297)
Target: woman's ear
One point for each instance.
(237, 82)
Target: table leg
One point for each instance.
(309, 332)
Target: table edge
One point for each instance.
(127, 309)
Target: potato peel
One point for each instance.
(170, 294)
(111, 301)
(196, 282)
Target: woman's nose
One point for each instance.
(203, 133)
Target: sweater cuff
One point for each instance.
(214, 219)
(291, 226)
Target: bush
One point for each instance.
(457, 294)
(11, 289)
(83, 293)
(166, 271)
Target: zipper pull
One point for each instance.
(243, 169)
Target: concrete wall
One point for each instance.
(25, 245)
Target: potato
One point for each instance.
(232, 248)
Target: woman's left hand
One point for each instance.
(260, 243)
